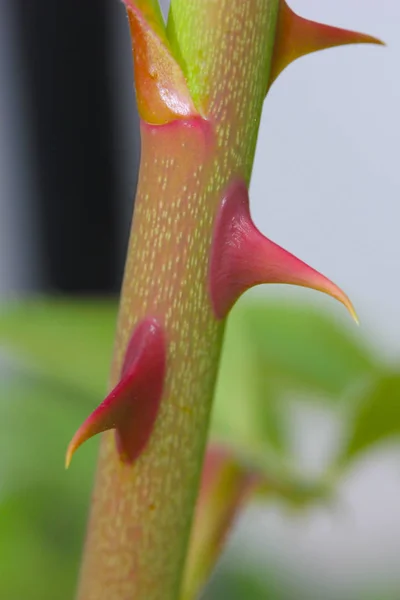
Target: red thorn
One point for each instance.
(296, 37)
(242, 257)
(132, 406)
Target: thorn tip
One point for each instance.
(296, 37)
(242, 257)
(131, 408)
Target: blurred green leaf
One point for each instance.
(37, 419)
(42, 507)
(67, 339)
(244, 411)
(304, 348)
(31, 569)
(377, 417)
(272, 351)
(242, 584)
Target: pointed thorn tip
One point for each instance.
(68, 457)
(352, 312)
(349, 305)
(131, 408)
(296, 37)
(242, 257)
(338, 294)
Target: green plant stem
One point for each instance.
(141, 514)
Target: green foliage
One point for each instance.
(55, 372)
(240, 584)
(70, 341)
(42, 507)
(377, 417)
(304, 349)
(274, 353)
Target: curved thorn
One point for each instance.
(243, 257)
(296, 37)
(132, 406)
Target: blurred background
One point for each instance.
(69, 151)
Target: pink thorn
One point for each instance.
(132, 406)
(296, 37)
(241, 257)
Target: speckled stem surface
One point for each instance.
(141, 514)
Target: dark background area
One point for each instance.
(82, 138)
